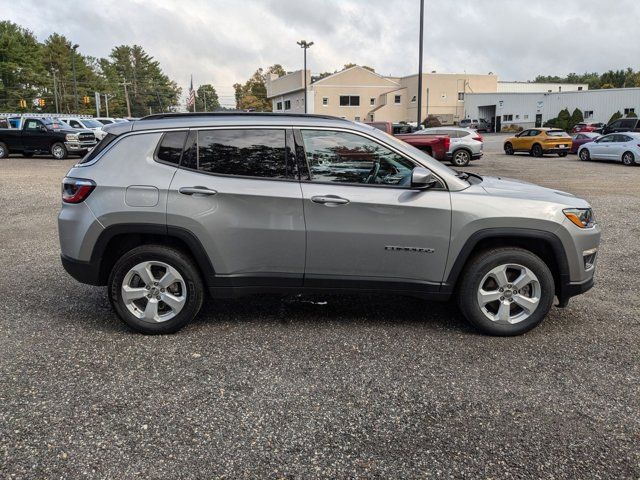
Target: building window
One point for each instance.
(588, 114)
(279, 106)
(287, 104)
(325, 101)
(397, 99)
(627, 111)
(507, 118)
(517, 117)
(413, 99)
(526, 117)
(357, 119)
(579, 88)
(461, 96)
(349, 101)
(371, 117)
(443, 95)
(372, 101)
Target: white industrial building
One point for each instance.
(534, 87)
(533, 109)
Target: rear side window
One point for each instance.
(170, 147)
(244, 152)
(104, 143)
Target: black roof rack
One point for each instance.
(160, 116)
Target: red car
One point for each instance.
(580, 139)
(586, 127)
(435, 145)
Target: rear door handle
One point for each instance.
(197, 191)
(329, 200)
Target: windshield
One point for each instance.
(91, 123)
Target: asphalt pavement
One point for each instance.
(305, 387)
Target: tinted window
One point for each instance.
(623, 138)
(170, 148)
(607, 139)
(104, 143)
(342, 157)
(250, 153)
(628, 123)
(32, 125)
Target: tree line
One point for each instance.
(64, 80)
(611, 79)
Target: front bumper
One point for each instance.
(572, 289)
(75, 147)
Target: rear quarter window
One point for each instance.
(170, 147)
(100, 147)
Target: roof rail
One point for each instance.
(160, 116)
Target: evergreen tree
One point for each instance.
(207, 99)
(564, 119)
(615, 117)
(576, 117)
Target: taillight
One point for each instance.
(447, 143)
(478, 138)
(76, 190)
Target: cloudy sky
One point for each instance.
(224, 41)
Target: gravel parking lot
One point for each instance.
(357, 386)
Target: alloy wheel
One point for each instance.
(154, 291)
(461, 158)
(58, 152)
(628, 159)
(509, 294)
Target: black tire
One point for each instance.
(536, 150)
(27, 154)
(508, 148)
(628, 159)
(484, 262)
(584, 155)
(59, 151)
(460, 158)
(4, 150)
(562, 154)
(157, 253)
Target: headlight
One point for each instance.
(581, 217)
(72, 137)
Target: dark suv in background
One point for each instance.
(622, 125)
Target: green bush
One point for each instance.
(576, 117)
(615, 117)
(431, 121)
(632, 115)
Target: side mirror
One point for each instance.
(421, 178)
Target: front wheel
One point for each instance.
(584, 155)
(506, 291)
(59, 151)
(155, 289)
(4, 151)
(461, 158)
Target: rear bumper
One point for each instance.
(556, 150)
(84, 272)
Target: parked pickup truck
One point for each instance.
(45, 136)
(435, 145)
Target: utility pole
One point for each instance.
(126, 96)
(304, 45)
(204, 98)
(55, 90)
(75, 80)
(420, 64)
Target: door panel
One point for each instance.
(252, 228)
(366, 237)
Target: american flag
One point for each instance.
(191, 99)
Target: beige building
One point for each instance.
(362, 95)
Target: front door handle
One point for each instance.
(329, 200)
(197, 191)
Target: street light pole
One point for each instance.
(75, 81)
(420, 64)
(304, 45)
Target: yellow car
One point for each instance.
(538, 141)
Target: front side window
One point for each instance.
(33, 125)
(75, 124)
(628, 123)
(341, 157)
(243, 152)
(170, 148)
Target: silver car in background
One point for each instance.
(620, 147)
(466, 144)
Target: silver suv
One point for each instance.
(170, 207)
(465, 145)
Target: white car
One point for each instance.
(621, 147)
(466, 144)
(109, 120)
(86, 124)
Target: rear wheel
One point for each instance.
(537, 151)
(585, 156)
(461, 158)
(508, 148)
(4, 151)
(506, 291)
(628, 159)
(59, 151)
(155, 289)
